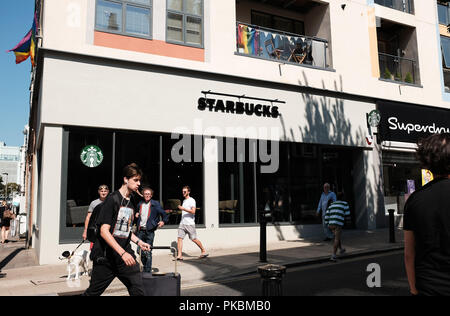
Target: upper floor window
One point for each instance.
(185, 22)
(443, 14)
(127, 17)
(401, 5)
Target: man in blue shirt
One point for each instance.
(326, 196)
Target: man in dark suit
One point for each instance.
(150, 217)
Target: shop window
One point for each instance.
(151, 152)
(83, 180)
(273, 188)
(177, 174)
(236, 184)
(185, 22)
(402, 175)
(127, 17)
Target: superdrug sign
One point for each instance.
(407, 123)
(241, 108)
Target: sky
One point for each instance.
(16, 19)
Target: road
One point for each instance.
(347, 277)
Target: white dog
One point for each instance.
(79, 259)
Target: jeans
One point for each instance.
(104, 274)
(146, 256)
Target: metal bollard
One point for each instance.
(271, 279)
(391, 226)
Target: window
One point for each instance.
(185, 22)
(443, 14)
(153, 154)
(127, 17)
(278, 23)
(445, 44)
(236, 182)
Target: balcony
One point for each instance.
(397, 68)
(400, 5)
(275, 45)
(397, 52)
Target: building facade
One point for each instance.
(9, 164)
(253, 104)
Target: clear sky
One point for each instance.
(16, 19)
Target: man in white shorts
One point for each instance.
(187, 224)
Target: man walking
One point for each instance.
(103, 192)
(326, 196)
(335, 219)
(187, 224)
(426, 222)
(150, 217)
(112, 255)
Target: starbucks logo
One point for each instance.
(374, 118)
(91, 156)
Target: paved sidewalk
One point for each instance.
(25, 277)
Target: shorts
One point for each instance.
(337, 231)
(187, 229)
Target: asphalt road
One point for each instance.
(347, 277)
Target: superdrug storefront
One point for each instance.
(401, 126)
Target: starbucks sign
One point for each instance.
(91, 156)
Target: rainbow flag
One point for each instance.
(248, 38)
(27, 46)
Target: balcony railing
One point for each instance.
(397, 68)
(276, 45)
(401, 5)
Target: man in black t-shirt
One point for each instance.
(427, 222)
(115, 221)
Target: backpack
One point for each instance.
(93, 229)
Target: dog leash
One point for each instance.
(82, 242)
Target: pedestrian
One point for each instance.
(112, 255)
(426, 222)
(6, 215)
(326, 196)
(150, 217)
(187, 224)
(335, 219)
(103, 192)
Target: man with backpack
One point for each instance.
(103, 192)
(112, 255)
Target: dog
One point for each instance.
(75, 261)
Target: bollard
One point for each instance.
(391, 226)
(271, 279)
(263, 216)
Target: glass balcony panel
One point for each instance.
(281, 46)
(397, 68)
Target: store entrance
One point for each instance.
(337, 170)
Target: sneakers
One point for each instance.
(342, 251)
(333, 258)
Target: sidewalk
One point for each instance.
(25, 277)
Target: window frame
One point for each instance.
(185, 15)
(123, 32)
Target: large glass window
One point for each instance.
(443, 14)
(185, 22)
(150, 151)
(278, 23)
(236, 183)
(177, 174)
(83, 180)
(402, 175)
(128, 17)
